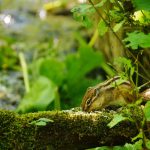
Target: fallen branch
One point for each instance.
(65, 130)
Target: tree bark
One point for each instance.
(68, 130)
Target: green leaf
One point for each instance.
(87, 22)
(100, 148)
(141, 4)
(137, 39)
(139, 136)
(52, 68)
(87, 64)
(41, 122)
(142, 16)
(78, 65)
(83, 13)
(101, 3)
(46, 120)
(118, 26)
(127, 65)
(116, 119)
(147, 143)
(116, 16)
(119, 148)
(112, 1)
(87, 8)
(102, 28)
(109, 148)
(42, 93)
(139, 145)
(136, 146)
(147, 111)
(118, 82)
(127, 146)
(83, 9)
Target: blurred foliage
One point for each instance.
(68, 75)
(10, 60)
(58, 65)
(42, 93)
(141, 5)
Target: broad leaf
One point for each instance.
(135, 146)
(87, 8)
(118, 26)
(87, 22)
(83, 9)
(100, 148)
(117, 119)
(136, 39)
(42, 93)
(127, 146)
(41, 122)
(142, 4)
(127, 65)
(52, 68)
(139, 136)
(102, 28)
(101, 3)
(78, 65)
(143, 17)
(147, 143)
(147, 111)
(46, 120)
(83, 13)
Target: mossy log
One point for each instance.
(69, 130)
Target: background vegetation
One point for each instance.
(52, 63)
(48, 58)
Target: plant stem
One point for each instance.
(94, 37)
(107, 69)
(24, 71)
(57, 102)
(144, 85)
(137, 77)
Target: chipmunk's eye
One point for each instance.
(88, 102)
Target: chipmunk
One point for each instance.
(112, 92)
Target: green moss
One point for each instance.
(68, 130)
